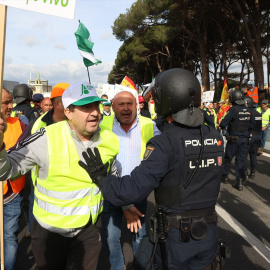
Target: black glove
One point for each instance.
(94, 165)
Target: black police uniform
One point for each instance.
(169, 161)
(239, 121)
(254, 143)
(26, 110)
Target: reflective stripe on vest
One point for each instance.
(12, 134)
(37, 125)
(146, 126)
(68, 198)
(215, 117)
(152, 111)
(265, 116)
(254, 94)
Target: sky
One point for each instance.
(46, 44)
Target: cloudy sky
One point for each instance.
(46, 44)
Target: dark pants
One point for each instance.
(53, 251)
(193, 255)
(252, 150)
(239, 150)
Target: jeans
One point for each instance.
(12, 211)
(111, 223)
(264, 137)
(31, 216)
(239, 150)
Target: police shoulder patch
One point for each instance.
(148, 152)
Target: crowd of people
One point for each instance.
(67, 144)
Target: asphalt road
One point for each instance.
(244, 223)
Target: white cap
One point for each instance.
(250, 83)
(80, 94)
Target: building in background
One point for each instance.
(9, 85)
(40, 86)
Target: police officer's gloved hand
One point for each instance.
(94, 165)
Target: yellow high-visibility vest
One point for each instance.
(146, 125)
(265, 116)
(68, 198)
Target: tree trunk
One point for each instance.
(254, 39)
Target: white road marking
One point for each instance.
(266, 154)
(262, 249)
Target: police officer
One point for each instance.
(22, 95)
(255, 140)
(184, 166)
(239, 121)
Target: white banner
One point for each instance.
(208, 96)
(60, 8)
(107, 89)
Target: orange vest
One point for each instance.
(254, 94)
(11, 136)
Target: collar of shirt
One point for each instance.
(118, 124)
(107, 113)
(74, 135)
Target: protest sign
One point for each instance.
(59, 8)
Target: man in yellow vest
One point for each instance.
(265, 112)
(67, 203)
(53, 116)
(133, 132)
(12, 189)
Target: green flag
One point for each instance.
(85, 46)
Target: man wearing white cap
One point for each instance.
(253, 92)
(67, 204)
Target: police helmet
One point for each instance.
(237, 97)
(22, 92)
(249, 102)
(174, 90)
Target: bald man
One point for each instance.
(134, 132)
(46, 105)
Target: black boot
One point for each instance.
(252, 174)
(245, 179)
(238, 184)
(224, 178)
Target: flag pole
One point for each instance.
(88, 75)
(3, 20)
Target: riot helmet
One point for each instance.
(22, 92)
(237, 97)
(248, 101)
(174, 90)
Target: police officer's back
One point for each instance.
(184, 166)
(240, 121)
(22, 95)
(255, 139)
